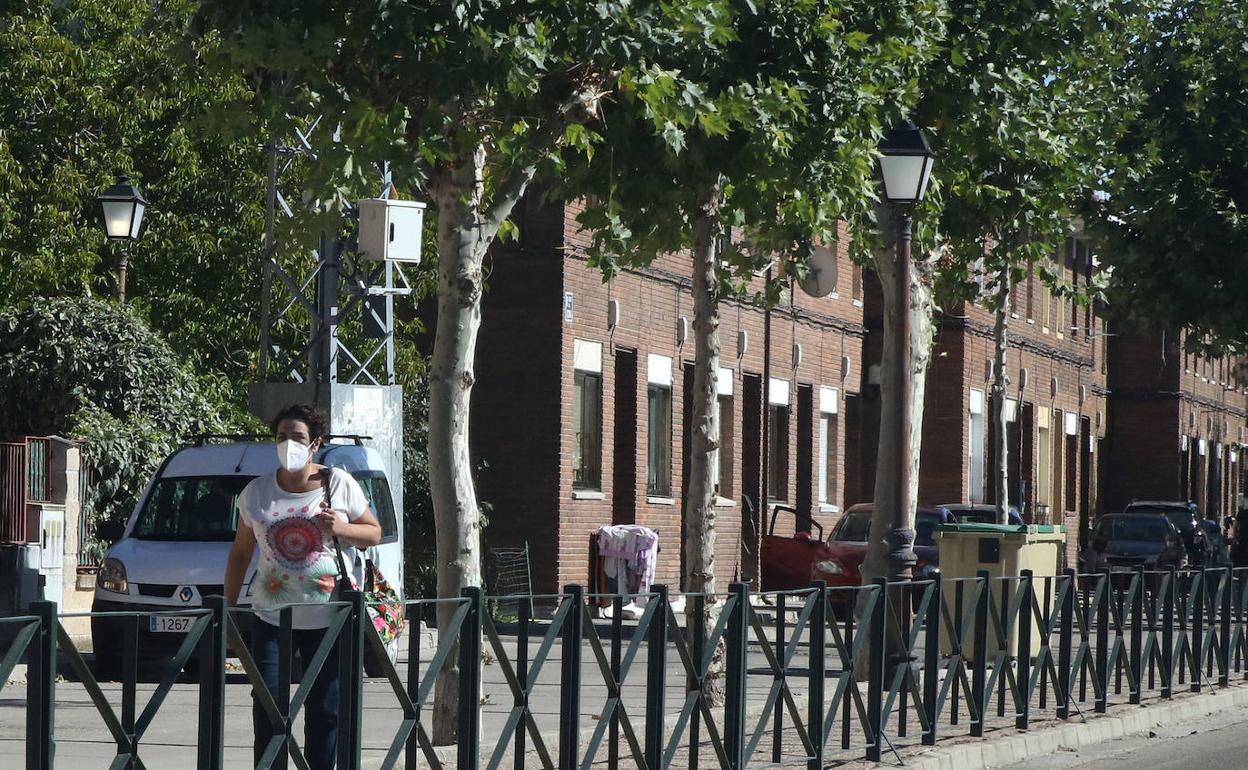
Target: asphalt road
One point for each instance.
(1218, 741)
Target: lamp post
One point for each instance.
(123, 208)
(905, 167)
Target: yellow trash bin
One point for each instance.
(1004, 550)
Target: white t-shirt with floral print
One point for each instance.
(297, 561)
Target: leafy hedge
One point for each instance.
(94, 371)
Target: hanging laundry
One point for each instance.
(627, 554)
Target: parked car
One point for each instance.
(793, 562)
(981, 513)
(1121, 542)
(171, 552)
(1186, 518)
(1217, 552)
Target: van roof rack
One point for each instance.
(200, 439)
(355, 437)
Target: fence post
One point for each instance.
(351, 683)
(736, 641)
(875, 669)
(1105, 591)
(979, 672)
(1228, 590)
(931, 660)
(656, 673)
(212, 687)
(129, 678)
(1137, 636)
(570, 679)
(415, 612)
(1198, 631)
(41, 689)
(469, 738)
(817, 674)
(1065, 639)
(1167, 633)
(1024, 649)
(1242, 593)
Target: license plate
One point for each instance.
(170, 624)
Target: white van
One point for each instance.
(172, 551)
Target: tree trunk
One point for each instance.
(1001, 471)
(465, 232)
(704, 425)
(890, 493)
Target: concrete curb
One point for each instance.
(1122, 721)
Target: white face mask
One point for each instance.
(292, 455)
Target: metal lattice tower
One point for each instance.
(370, 288)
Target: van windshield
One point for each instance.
(204, 508)
(199, 508)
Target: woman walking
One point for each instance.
(298, 516)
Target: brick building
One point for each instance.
(566, 360)
(1056, 369)
(1177, 423)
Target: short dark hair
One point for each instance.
(305, 413)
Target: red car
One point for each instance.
(793, 562)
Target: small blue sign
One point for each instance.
(567, 307)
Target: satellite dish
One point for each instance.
(820, 280)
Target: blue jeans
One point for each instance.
(320, 711)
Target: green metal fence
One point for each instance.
(920, 660)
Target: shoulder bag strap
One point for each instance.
(326, 476)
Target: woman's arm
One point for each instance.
(236, 566)
(365, 531)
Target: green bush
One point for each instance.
(93, 371)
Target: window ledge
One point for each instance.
(654, 500)
(588, 494)
(857, 303)
(834, 295)
(1014, 315)
(825, 508)
(723, 502)
(1031, 321)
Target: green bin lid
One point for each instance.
(1003, 529)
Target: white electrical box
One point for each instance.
(391, 230)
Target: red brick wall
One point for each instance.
(523, 428)
(1164, 398)
(516, 441)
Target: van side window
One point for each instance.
(380, 500)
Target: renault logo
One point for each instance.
(185, 594)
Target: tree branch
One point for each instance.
(581, 107)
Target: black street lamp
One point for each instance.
(905, 167)
(123, 206)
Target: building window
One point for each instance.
(587, 422)
(1044, 462)
(659, 440)
(587, 415)
(778, 453)
(722, 469)
(828, 436)
(975, 476)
